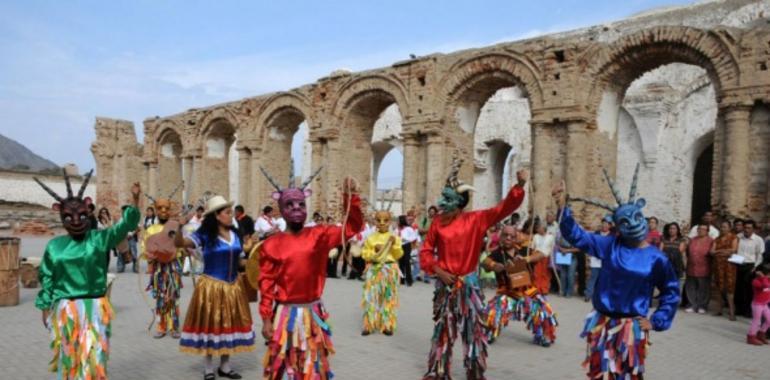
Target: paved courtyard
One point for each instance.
(697, 347)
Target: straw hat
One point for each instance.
(216, 203)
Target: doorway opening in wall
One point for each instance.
(388, 174)
(301, 155)
(501, 135)
(701, 184)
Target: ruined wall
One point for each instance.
(575, 87)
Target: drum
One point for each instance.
(28, 272)
(9, 271)
(518, 274)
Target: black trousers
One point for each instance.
(581, 272)
(331, 266)
(743, 290)
(357, 266)
(405, 264)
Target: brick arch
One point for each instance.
(279, 109)
(368, 87)
(164, 132)
(360, 104)
(492, 71)
(617, 65)
(211, 120)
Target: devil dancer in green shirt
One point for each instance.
(73, 277)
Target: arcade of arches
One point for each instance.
(683, 91)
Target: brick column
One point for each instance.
(412, 173)
(152, 179)
(577, 157)
(244, 177)
(257, 191)
(542, 160)
(187, 167)
(736, 159)
(437, 168)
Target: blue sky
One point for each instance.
(62, 63)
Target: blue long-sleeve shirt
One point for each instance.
(628, 275)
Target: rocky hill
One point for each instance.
(14, 156)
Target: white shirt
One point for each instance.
(751, 248)
(552, 229)
(544, 243)
(595, 262)
(263, 225)
(409, 235)
(713, 232)
(280, 223)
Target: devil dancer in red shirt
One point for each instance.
(451, 251)
(291, 281)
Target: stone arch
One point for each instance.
(482, 71)
(276, 107)
(361, 104)
(469, 86)
(169, 147)
(280, 121)
(371, 86)
(617, 65)
(217, 141)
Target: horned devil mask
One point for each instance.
(291, 200)
(73, 210)
(627, 216)
(163, 206)
(456, 194)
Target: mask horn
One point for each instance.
(311, 178)
(593, 202)
(149, 197)
(67, 182)
(632, 193)
(48, 190)
(291, 174)
(615, 192)
(270, 179)
(179, 186)
(85, 183)
(392, 199)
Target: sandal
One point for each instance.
(230, 375)
(209, 376)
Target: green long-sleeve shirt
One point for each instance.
(78, 269)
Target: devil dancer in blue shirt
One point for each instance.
(617, 330)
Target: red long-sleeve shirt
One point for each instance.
(455, 247)
(293, 266)
(761, 287)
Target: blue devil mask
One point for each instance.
(627, 216)
(630, 222)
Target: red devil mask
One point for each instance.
(292, 200)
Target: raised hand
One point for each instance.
(522, 176)
(557, 192)
(349, 186)
(136, 191)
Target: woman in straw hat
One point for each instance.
(218, 320)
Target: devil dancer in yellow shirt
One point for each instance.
(381, 251)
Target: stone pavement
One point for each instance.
(697, 347)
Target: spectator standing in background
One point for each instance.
(698, 281)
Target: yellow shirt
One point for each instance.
(369, 253)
